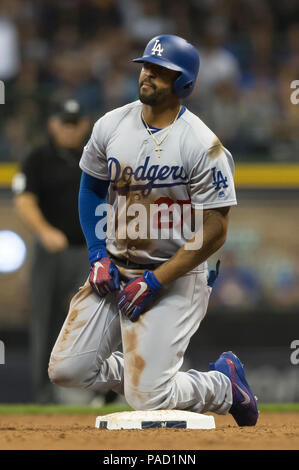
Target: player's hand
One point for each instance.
(138, 294)
(104, 276)
(53, 240)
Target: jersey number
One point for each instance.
(157, 222)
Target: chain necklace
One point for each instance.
(158, 149)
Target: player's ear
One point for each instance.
(174, 79)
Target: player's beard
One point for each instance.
(156, 96)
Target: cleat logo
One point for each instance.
(245, 395)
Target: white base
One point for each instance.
(155, 419)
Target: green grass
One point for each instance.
(279, 407)
(31, 409)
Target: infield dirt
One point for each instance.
(273, 431)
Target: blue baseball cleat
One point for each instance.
(244, 408)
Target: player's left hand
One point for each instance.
(138, 294)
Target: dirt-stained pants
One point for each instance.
(86, 353)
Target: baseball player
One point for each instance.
(150, 293)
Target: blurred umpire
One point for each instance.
(46, 200)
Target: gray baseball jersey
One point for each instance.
(193, 169)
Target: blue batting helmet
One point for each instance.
(174, 53)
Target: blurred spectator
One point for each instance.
(224, 114)
(292, 44)
(281, 276)
(217, 64)
(71, 76)
(243, 122)
(46, 200)
(15, 141)
(83, 49)
(259, 114)
(259, 64)
(9, 42)
(144, 19)
(237, 287)
(284, 13)
(98, 15)
(180, 16)
(286, 136)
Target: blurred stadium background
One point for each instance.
(249, 49)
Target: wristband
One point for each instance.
(97, 254)
(152, 281)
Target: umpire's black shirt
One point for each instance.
(53, 175)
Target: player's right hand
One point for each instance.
(104, 276)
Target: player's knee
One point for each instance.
(59, 374)
(66, 373)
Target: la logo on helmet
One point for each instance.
(157, 48)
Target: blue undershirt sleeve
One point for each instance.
(92, 194)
